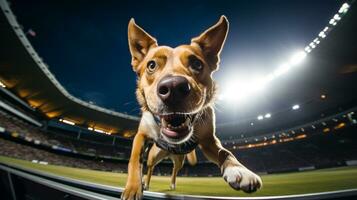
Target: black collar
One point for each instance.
(182, 148)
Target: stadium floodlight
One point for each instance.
(299, 56)
(296, 107)
(307, 49)
(312, 45)
(344, 8)
(238, 90)
(316, 41)
(282, 69)
(322, 34)
(332, 21)
(259, 83)
(337, 17)
(260, 117)
(269, 77)
(245, 89)
(268, 115)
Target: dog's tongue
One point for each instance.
(175, 126)
(175, 133)
(170, 133)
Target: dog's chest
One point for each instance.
(149, 125)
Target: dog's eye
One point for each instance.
(151, 66)
(196, 64)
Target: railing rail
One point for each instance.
(18, 176)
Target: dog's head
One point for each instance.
(175, 84)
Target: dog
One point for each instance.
(176, 91)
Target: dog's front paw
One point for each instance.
(132, 192)
(239, 177)
(172, 186)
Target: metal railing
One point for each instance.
(19, 182)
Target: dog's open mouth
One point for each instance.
(176, 126)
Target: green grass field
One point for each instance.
(276, 184)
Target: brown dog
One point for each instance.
(176, 91)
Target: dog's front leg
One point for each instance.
(133, 188)
(234, 173)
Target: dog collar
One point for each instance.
(183, 148)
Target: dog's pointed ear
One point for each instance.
(212, 40)
(139, 43)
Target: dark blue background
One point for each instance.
(85, 42)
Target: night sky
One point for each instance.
(85, 42)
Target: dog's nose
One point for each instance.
(172, 89)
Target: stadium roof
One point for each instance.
(26, 75)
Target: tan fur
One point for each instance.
(176, 61)
(192, 158)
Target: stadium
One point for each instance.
(301, 139)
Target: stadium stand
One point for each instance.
(317, 149)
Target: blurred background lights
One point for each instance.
(298, 57)
(268, 115)
(2, 85)
(296, 107)
(282, 69)
(239, 90)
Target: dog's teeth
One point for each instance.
(187, 121)
(164, 123)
